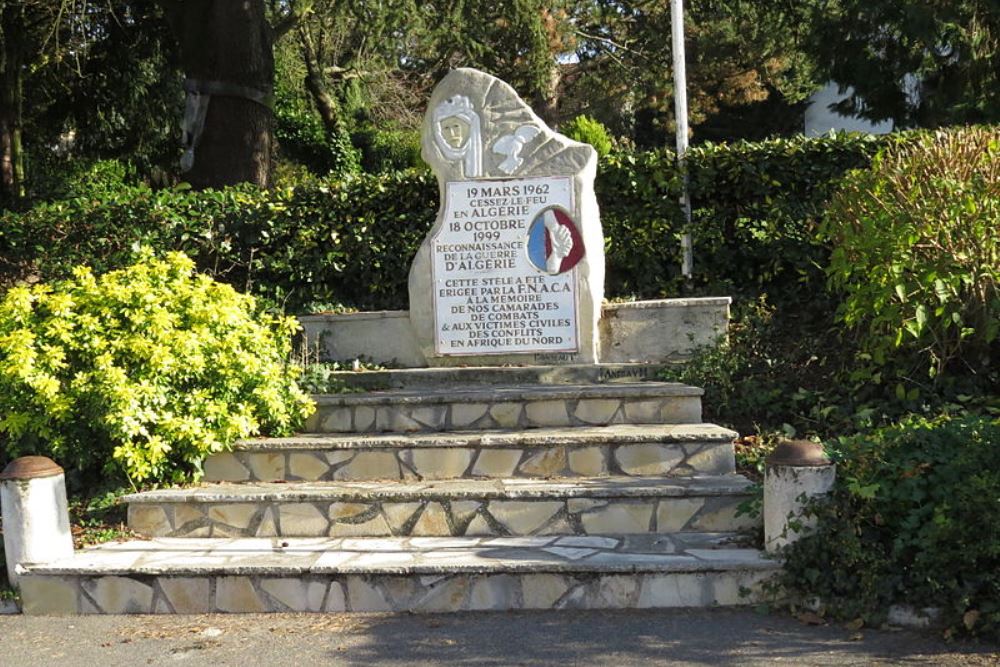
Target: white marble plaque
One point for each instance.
(504, 277)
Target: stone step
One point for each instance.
(590, 451)
(446, 507)
(518, 406)
(194, 576)
(471, 376)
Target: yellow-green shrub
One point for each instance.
(589, 131)
(144, 370)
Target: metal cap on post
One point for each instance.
(35, 513)
(795, 471)
(31, 467)
(798, 453)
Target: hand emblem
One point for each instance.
(562, 243)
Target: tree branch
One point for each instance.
(297, 10)
(345, 73)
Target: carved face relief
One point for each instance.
(455, 131)
(458, 134)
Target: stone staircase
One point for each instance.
(450, 489)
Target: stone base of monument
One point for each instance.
(454, 497)
(636, 332)
(495, 376)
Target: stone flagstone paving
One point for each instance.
(543, 406)
(387, 574)
(623, 450)
(445, 508)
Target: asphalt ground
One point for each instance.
(616, 638)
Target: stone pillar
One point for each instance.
(35, 513)
(794, 472)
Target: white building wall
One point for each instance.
(819, 119)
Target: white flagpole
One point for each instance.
(681, 114)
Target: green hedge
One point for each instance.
(350, 240)
(755, 209)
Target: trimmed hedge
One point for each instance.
(755, 209)
(350, 240)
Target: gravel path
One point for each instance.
(620, 639)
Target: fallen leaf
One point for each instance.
(810, 618)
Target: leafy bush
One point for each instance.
(917, 248)
(147, 369)
(589, 131)
(350, 239)
(790, 365)
(55, 176)
(389, 150)
(334, 240)
(915, 519)
(785, 371)
(794, 371)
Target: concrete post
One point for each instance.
(35, 513)
(795, 471)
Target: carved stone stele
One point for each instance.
(478, 131)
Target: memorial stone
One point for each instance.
(513, 269)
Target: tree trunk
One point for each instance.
(11, 106)
(11, 159)
(549, 111)
(329, 110)
(231, 43)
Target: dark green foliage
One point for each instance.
(757, 204)
(110, 89)
(350, 240)
(342, 241)
(792, 366)
(739, 54)
(945, 52)
(389, 150)
(755, 210)
(66, 179)
(789, 367)
(752, 379)
(915, 519)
